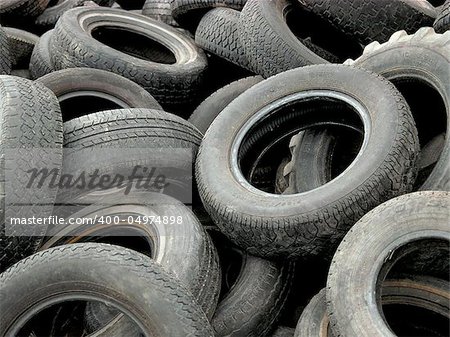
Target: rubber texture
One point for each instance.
(422, 57)
(379, 240)
(210, 108)
(30, 119)
(372, 20)
(253, 304)
(40, 62)
(170, 84)
(283, 331)
(265, 224)
(154, 297)
(5, 53)
(13, 9)
(442, 23)
(21, 44)
(51, 15)
(159, 10)
(189, 12)
(87, 83)
(268, 43)
(218, 33)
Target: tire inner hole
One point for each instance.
(78, 106)
(134, 44)
(262, 150)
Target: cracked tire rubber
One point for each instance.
(442, 23)
(380, 239)
(21, 44)
(218, 33)
(370, 20)
(5, 53)
(211, 107)
(30, 118)
(159, 10)
(422, 57)
(255, 300)
(268, 43)
(423, 292)
(170, 84)
(40, 62)
(156, 299)
(85, 83)
(189, 12)
(304, 225)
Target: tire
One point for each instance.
(40, 62)
(51, 15)
(85, 85)
(117, 138)
(423, 292)
(188, 253)
(13, 9)
(189, 12)
(254, 302)
(21, 44)
(396, 228)
(157, 301)
(251, 217)
(30, 121)
(170, 84)
(367, 21)
(5, 53)
(268, 44)
(24, 73)
(159, 10)
(283, 331)
(419, 58)
(211, 107)
(442, 23)
(218, 33)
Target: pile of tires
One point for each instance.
(264, 168)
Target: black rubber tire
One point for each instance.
(268, 43)
(159, 10)
(218, 33)
(253, 304)
(130, 129)
(442, 23)
(367, 21)
(283, 331)
(187, 253)
(423, 292)
(30, 118)
(12, 9)
(188, 13)
(87, 83)
(5, 53)
(170, 84)
(303, 225)
(210, 108)
(156, 299)
(51, 15)
(379, 240)
(40, 62)
(422, 57)
(21, 44)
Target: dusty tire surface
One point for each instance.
(21, 44)
(247, 215)
(40, 62)
(442, 23)
(155, 293)
(396, 227)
